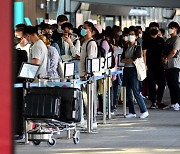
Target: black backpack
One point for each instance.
(101, 51)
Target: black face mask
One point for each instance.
(17, 40)
(153, 31)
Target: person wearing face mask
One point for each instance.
(140, 34)
(38, 53)
(152, 48)
(47, 29)
(123, 40)
(89, 50)
(117, 32)
(171, 59)
(130, 80)
(70, 45)
(57, 34)
(23, 43)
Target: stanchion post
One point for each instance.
(124, 101)
(104, 100)
(26, 134)
(89, 107)
(109, 97)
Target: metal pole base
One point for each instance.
(89, 132)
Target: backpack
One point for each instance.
(101, 50)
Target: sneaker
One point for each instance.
(162, 106)
(176, 107)
(172, 105)
(20, 137)
(153, 106)
(130, 115)
(112, 113)
(94, 125)
(144, 115)
(82, 124)
(99, 113)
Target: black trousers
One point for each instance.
(156, 84)
(18, 119)
(172, 77)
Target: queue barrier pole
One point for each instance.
(92, 105)
(89, 107)
(104, 100)
(109, 97)
(124, 101)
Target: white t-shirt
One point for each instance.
(90, 53)
(26, 48)
(39, 51)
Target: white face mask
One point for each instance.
(126, 38)
(119, 33)
(171, 31)
(59, 28)
(140, 35)
(132, 38)
(39, 31)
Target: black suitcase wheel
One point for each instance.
(36, 142)
(51, 142)
(76, 137)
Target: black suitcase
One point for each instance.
(42, 106)
(71, 101)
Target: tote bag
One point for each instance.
(141, 68)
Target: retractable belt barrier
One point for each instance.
(90, 84)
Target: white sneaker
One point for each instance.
(94, 125)
(172, 105)
(144, 115)
(82, 124)
(176, 107)
(130, 115)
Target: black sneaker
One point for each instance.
(153, 106)
(162, 106)
(20, 137)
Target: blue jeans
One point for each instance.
(132, 85)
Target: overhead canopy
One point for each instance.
(109, 10)
(145, 3)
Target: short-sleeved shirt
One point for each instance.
(90, 53)
(154, 47)
(52, 65)
(39, 51)
(129, 54)
(174, 62)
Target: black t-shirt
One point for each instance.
(56, 36)
(154, 48)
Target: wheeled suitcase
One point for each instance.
(38, 105)
(70, 105)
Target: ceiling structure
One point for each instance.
(123, 7)
(144, 3)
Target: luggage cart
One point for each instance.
(42, 104)
(47, 128)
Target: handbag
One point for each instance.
(141, 68)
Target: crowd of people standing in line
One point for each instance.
(46, 45)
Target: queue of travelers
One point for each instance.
(47, 45)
